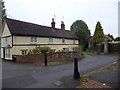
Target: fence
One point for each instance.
(58, 56)
(113, 47)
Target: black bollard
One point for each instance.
(76, 73)
(45, 59)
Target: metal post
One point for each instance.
(76, 73)
(45, 59)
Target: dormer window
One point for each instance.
(33, 39)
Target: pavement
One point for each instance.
(17, 75)
(105, 77)
(108, 75)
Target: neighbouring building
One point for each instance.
(109, 37)
(19, 37)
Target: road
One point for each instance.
(17, 75)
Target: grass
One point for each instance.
(84, 79)
(118, 60)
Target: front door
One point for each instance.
(3, 53)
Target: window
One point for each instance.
(7, 52)
(65, 49)
(24, 52)
(50, 39)
(63, 40)
(74, 41)
(33, 39)
(6, 39)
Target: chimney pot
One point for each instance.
(53, 23)
(62, 25)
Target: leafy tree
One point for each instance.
(78, 49)
(2, 14)
(81, 30)
(98, 36)
(3, 11)
(117, 39)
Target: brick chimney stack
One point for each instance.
(62, 25)
(53, 23)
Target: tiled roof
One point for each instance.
(17, 27)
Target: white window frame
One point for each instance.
(24, 52)
(51, 40)
(63, 40)
(7, 52)
(74, 41)
(6, 39)
(33, 39)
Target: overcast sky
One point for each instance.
(90, 11)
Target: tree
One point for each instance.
(81, 30)
(98, 36)
(117, 39)
(39, 50)
(2, 13)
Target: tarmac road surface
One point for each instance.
(15, 75)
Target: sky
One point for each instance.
(90, 11)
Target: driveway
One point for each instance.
(17, 75)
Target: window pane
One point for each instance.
(6, 39)
(63, 40)
(24, 52)
(50, 39)
(7, 52)
(74, 42)
(33, 39)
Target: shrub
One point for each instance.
(78, 49)
(44, 49)
(100, 47)
(39, 50)
(97, 48)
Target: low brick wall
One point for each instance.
(61, 56)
